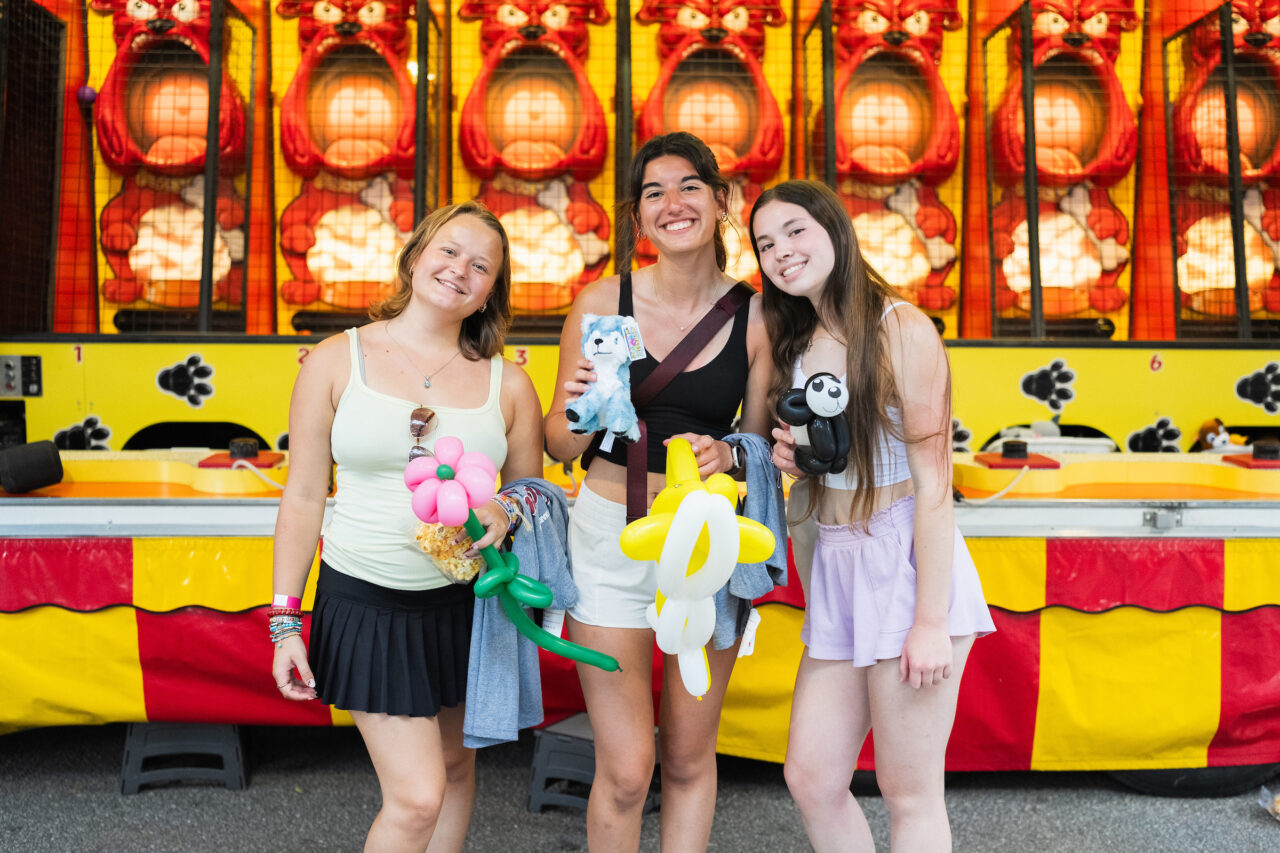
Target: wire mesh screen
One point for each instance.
(718, 71)
(171, 114)
(32, 80)
(1222, 110)
(816, 69)
(349, 138)
(534, 139)
(1061, 130)
(887, 137)
(430, 73)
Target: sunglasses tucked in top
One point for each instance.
(421, 421)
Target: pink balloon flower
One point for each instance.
(449, 484)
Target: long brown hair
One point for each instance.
(691, 148)
(483, 332)
(852, 305)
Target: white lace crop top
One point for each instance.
(891, 452)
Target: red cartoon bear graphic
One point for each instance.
(1206, 266)
(347, 126)
(152, 117)
(711, 84)
(1086, 141)
(896, 139)
(534, 132)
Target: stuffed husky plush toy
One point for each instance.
(607, 403)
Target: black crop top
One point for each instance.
(702, 401)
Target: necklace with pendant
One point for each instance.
(426, 377)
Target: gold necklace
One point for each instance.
(426, 377)
(654, 287)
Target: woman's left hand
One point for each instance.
(713, 455)
(495, 522)
(926, 657)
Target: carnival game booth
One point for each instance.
(251, 169)
(192, 195)
(1134, 593)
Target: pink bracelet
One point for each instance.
(279, 600)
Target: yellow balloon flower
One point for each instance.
(694, 534)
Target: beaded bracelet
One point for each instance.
(511, 507)
(278, 628)
(283, 611)
(281, 627)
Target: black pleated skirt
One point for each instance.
(389, 651)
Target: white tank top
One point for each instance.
(891, 452)
(371, 534)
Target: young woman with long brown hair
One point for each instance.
(678, 201)
(894, 601)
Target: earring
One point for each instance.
(639, 234)
(724, 216)
(484, 306)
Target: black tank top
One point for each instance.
(702, 401)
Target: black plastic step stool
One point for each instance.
(566, 751)
(156, 753)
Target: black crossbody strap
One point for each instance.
(692, 343)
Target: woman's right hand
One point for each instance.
(291, 654)
(583, 375)
(784, 451)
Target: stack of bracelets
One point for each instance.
(284, 622)
(511, 507)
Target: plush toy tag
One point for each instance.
(748, 644)
(631, 333)
(553, 622)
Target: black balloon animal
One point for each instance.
(815, 414)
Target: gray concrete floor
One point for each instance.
(314, 790)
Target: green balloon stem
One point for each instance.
(546, 640)
(503, 570)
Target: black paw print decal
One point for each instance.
(1262, 388)
(1050, 385)
(1161, 437)
(186, 379)
(959, 437)
(90, 435)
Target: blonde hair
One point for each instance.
(483, 333)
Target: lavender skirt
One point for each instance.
(862, 597)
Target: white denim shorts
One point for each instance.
(613, 590)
